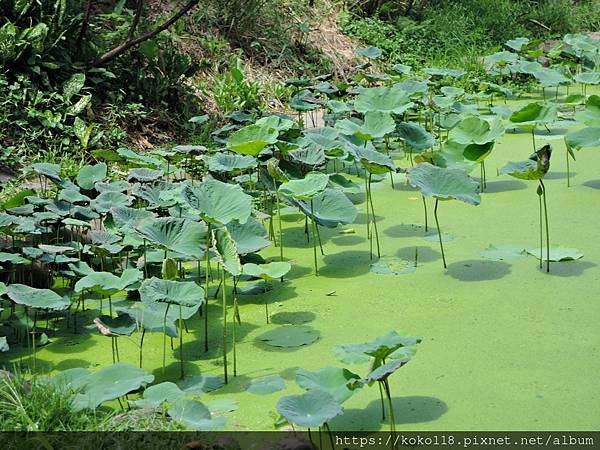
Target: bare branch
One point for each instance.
(86, 21)
(124, 46)
(136, 18)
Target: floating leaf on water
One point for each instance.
(194, 414)
(199, 383)
(266, 385)
(446, 237)
(557, 254)
(311, 409)
(290, 336)
(504, 252)
(392, 266)
(222, 406)
(292, 317)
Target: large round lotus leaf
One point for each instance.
(415, 136)
(303, 101)
(345, 184)
(478, 152)
(195, 415)
(70, 379)
(276, 122)
(3, 289)
(266, 385)
(376, 125)
(199, 384)
(290, 336)
(156, 395)
(219, 202)
(270, 271)
(227, 162)
(369, 52)
(311, 409)
(333, 380)
(13, 258)
(151, 317)
(550, 77)
(138, 158)
(73, 196)
(443, 72)
(113, 186)
(375, 162)
(108, 283)
(534, 114)
(125, 218)
(190, 149)
(107, 200)
(517, 44)
(387, 344)
(305, 188)
(588, 78)
(475, 130)
(499, 58)
(184, 293)
(252, 139)
(591, 114)
(88, 176)
(384, 371)
(557, 254)
(144, 174)
(227, 251)
(585, 137)
(249, 237)
(310, 156)
(444, 184)
(122, 325)
(331, 208)
(48, 170)
(383, 99)
(178, 235)
(37, 298)
(152, 194)
(110, 383)
(325, 138)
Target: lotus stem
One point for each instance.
(117, 349)
(326, 425)
(224, 325)
(142, 346)
(437, 224)
(386, 387)
(319, 237)
(547, 227)
(207, 276)
(425, 208)
(266, 301)
(181, 343)
(164, 361)
(541, 229)
(382, 402)
(533, 138)
(112, 347)
(368, 218)
(233, 332)
(280, 227)
(568, 170)
(370, 200)
(33, 338)
(314, 227)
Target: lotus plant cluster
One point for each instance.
(148, 240)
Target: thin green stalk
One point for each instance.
(568, 170)
(386, 387)
(280, 228)
(547, 227)
(207, 276)
(541, 231)
(382, 402)
(181, 342)
(233, 332)
(370, 200)
(425, 208)
(164, 361)
(142, 345)
(312, 213)
(224, 326)
(437, 224)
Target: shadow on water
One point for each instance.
(504, 186)
(411, 409)
(348, 240)
(346, 264)
(594, 184)
(423, 254)
(405, 230)
(557, 175)
(476, 270)
(569, 268)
